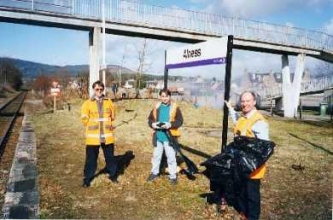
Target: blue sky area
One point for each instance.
(68, 47)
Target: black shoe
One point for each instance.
(85, 184)
(152, 177)
(113, 179)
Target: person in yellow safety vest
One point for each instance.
(165, 115)
(97, 115)
(249, 123)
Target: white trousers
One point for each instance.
(171, 158)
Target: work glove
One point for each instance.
(229, 105)
(154, 125)
(166, 125)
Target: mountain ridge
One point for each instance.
(31, 69)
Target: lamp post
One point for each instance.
(104, 43)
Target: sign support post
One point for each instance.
(166, 72)
(55, 91)
(54, 103)
(227, 92)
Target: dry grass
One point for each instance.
(286, 193)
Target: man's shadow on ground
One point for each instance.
(195, 151)
(123, 161)
(316, 146)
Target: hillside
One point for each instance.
(31, 69)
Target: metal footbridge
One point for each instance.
(308, 87)
(135, 19)
(143, 20)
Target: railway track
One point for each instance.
(8, 113)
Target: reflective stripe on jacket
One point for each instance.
(243, 127)
(98, 123)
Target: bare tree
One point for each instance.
(83, 81)
(42, 84)
(144, 66)
(119, 69)
(63, 76)
(9, 74)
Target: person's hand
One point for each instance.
(228, 104)
(166, 125)
(155, 125)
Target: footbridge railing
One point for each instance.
(318, 84)
(135, 13)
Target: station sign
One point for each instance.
(206, 53)
(55, 90)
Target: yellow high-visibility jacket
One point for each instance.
(176, 119)
(98, 124)
(243, 128)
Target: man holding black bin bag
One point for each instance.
(250, 123)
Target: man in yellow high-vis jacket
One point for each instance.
(97, 114)
(250, 123)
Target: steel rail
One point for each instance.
(8, 102)
(8, 114)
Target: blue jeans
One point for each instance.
(171, 158)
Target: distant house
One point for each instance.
(129, 84)
(272, 78)
(217, 86)
(160, 85)
(199, 79)
(151, 84)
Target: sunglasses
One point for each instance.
(99, 89)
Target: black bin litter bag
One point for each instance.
(239, 160)
(251, 153)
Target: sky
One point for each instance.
(68, 47)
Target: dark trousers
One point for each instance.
(248, 201)
(90, 166)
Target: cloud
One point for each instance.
(243, 8)
(260, 8)
(120, 47)
(329, 27)
(125, 51)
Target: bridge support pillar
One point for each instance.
(94, 57)
(291, 90)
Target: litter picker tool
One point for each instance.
(191, 167)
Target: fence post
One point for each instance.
(330, 106)
(272, 114)
(72, 7)
(300, 109)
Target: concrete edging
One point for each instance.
(22, 196)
